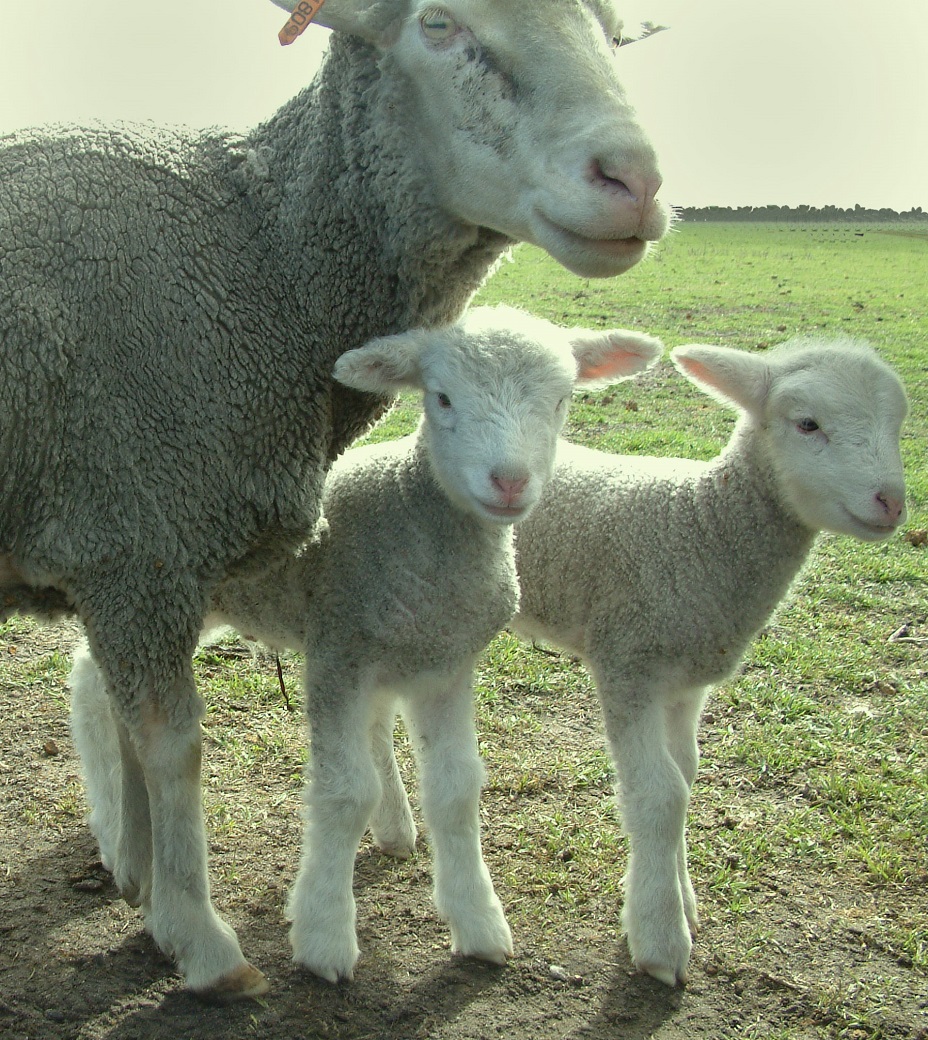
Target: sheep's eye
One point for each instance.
(444, 400)
(437, 25)
(807, 426)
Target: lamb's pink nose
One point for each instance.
(892, 506)
(510, 487)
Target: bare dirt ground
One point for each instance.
(805, 960)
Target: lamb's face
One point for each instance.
(493, 413)
(833, 431)
(526, 128)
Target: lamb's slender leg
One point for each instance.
(441, 718)
(392, 823)
(342, 792)
(161, 850)
(97, 741)
(653, 797)
(682, 726)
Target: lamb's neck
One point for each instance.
(749, 524)
(348, 168)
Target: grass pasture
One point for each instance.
(808, 834)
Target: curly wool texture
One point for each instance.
(173, 303)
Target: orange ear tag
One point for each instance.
(304, 12)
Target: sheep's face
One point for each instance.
(522, 120)
(826, 418)
(833, 438)
(493, 413)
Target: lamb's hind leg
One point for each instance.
(653, 796)
(441, 719)
(392, 823)
(160, 858)
(682, 726)
(96, 738)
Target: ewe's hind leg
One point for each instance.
(97, 741)
(161, 854)
(441, 718)
(392, 823)
(682, 726)
(342, 792)
(653, 795)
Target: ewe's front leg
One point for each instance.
(161, 852)
(392, 823)
(441, 718)
(653, 796)
(341, 793)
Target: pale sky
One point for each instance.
(748, 101)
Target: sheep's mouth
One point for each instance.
(505, 513)
(870, 532)
(586, 256)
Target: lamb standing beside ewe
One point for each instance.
(659, 572)
(172, 304)
(412, 575)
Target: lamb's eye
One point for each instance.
(807, 426)
(437, 25)
(444, 400)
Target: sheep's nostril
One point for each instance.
(891, 506)
(639, 188)
(509, 486)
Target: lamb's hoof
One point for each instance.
(662, 973)
(244, 983)
(399, 849)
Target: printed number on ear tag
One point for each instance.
(304, 12)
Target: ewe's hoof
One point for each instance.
(245, 983)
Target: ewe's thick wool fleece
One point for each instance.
(171, 305)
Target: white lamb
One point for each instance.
(659, 573)
(410, 577)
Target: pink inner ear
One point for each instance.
(697, 370)
(611, 366)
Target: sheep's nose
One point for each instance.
(890, 505)
(510, 487)
(637, 187)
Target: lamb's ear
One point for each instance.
(607, 357)
(383, 366)
(377, 21)
(729, 375)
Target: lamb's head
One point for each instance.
(826, 416)
(522, 120)
(495, 392)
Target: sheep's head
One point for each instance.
(495, 394)
(522, 120)
(826, 416)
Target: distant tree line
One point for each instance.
(805, 213)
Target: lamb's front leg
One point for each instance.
(342, 791)
(653, 796)
(441, 717)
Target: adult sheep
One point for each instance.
(171, 307)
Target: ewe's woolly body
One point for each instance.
(181, 264)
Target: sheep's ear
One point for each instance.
(607, 357)
(376, 21)
(731, 376)
(383, 366)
